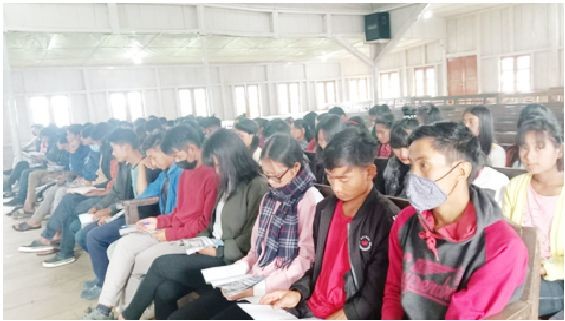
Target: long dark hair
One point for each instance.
(234, 160)
(486, 131)
(543, 122)
(250, 127)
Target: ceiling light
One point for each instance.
(428, 14)
(136, 60)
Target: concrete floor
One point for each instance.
(34, 292)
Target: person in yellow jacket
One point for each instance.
(537, 199)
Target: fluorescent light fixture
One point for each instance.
(428, 14)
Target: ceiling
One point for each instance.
(27, 49)
(31, 49)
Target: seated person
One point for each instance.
(479, 120)
(449, 251)
(247, 130)
(350, 239)
(134, 253)
(536, 199)
(327, 128)
(97, 237)
(382, 127)
(392, 181)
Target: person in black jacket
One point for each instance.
(350, 239)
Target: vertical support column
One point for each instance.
(89, 105)
(10, 107)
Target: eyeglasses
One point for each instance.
(277, 178)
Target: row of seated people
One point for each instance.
(351, 255)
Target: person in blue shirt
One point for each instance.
(96, 239)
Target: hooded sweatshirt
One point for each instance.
(459, 271)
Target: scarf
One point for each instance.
(281, 241)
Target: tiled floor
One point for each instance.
(34, 292)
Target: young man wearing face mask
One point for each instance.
(350, 239)
(197, 193)
(451, 253)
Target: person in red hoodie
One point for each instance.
(452, 255)
(197, 193)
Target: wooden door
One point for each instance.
(462, 76)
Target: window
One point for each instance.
(288, 96)
(193, 100)
(515, 74)
(358, 89)
(425, 81)
(248, 100)
(126, 106)
(389, 85)
(39, 107)
(325, 93)
(61, 113)
(54, 109)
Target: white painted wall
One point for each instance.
(90, 87)
(534, 29)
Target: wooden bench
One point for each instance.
(526, 308)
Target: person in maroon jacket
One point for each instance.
(135, 252)
(451, 253)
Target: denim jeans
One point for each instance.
(71, 225)
(97, 239)
(71, 206)
(551, 298)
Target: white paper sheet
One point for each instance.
(266, 312)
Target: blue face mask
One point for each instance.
(95, 148)
(425, 194)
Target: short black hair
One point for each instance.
(124, 136)
(211, 121)
(350, 147)
(100, 131)
(153, 126)
(152, 141)
(62, 139)
(336, 111)
(429, 114)
(276, 126)
(74, 129)
(86, 131)
(284, 149)
(455, 141)
(486, 131)
(331, 125)
(400, 132)
(180, 136)
(386, 119)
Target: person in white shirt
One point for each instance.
(479, 120)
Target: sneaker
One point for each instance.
(58, 260)
(96, 314)
(88, 284)
(35, 247)
(91, 293)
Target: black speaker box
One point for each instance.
(377, 27)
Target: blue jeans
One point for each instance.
(70, 207)
(22, 190)
(551, 298)
(71, 225)
(98, 239)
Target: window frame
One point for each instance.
(289, 100)
(50, 108)
(424, 69)
(125, 94)
(193, 106)
(248, 100)
(325, 84)
(514, 85)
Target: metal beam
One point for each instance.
(354, 51)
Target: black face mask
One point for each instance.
(186, 165)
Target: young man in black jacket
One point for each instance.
(350, 237)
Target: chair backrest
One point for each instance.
(532, 283)
(400, 202)
(511, 172)
(325, 190)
